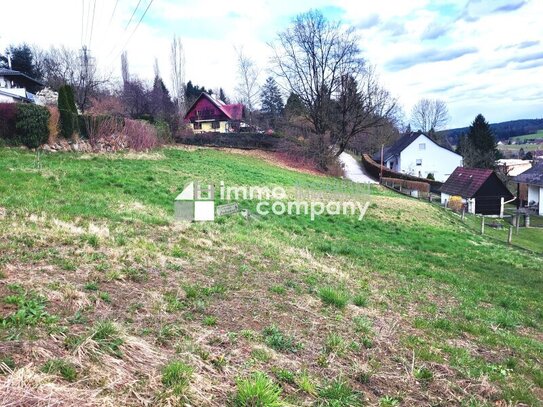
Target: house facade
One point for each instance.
(15, 87)
(533, 178)
(481, 190)
(208, 114)
(418, 155)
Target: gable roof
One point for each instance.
(466, 182)
(402, 143)
(11, 72)
(232, 111)
(533, 176)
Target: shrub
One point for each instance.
(140, 135)
(8, 118)
(96, 127)
(257, 390)
(52, 124)
(455, 203)
(32, 125)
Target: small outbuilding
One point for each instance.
(481, 190)
(533, 179)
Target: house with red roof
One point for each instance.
(208, 114)
(481, 190)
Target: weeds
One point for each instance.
(65, 369)
(176, 376)
(336, 297)
(258, 391)
(278, 340)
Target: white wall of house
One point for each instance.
(471, 202)
(535, 194)
(423, 156)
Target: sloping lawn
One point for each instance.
(107, 301)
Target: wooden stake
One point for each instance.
(463, 212)
(518, 222)
(482, 225)
(510, 237)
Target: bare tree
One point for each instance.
(63, 66)
(428, 114)
(321, 62)
(177, 60)
(248, 74)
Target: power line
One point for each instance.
(132, 16)
(113, 14)
(82, 19)
(92, 24)
(135, 28)
(88, 18)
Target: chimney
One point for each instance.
(9, 59)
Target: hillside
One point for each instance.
(107, 301)
(502, 131)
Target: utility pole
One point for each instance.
(86, 67)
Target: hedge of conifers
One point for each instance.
(374, 169)
(259, 141)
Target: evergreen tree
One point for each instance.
(22, 60)
(222, 96)
(272, 102)
(68, 111)
(294, 107)
(479, 146)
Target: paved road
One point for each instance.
(353, 170)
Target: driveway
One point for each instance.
(353, 170)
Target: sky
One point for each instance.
(479, 56)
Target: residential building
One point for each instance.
(208, 114)
(15, 87)
(533, 179)
(418, 155)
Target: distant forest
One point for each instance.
(502, 131)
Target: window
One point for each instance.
(197, 126)
(215, 125)
(419, 161)
(422, 146)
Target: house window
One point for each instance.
(422, 146)
(215, 125)
(419, 161)
(197, 126)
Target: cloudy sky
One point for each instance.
(479, 55)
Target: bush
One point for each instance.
(32, 125)
(53, 123)
(8, 117)
(95, 127)
(140, 135)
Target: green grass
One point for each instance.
(176, 376)
(331, 296)
(413, 272)
(62, 368)
(258, 391)
(533, 136)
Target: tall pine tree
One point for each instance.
(272, 102)
(479, 146)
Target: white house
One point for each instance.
(417, 154)
(533, 178)
(15, 85)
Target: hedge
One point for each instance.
(24, 124)
(248, 141)
(375, 170)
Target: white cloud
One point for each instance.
(502, 77)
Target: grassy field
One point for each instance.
(107, 301)
(537, 135)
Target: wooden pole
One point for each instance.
(463, 212)
(482, 225)
(518, 222)
(510, 237)
(382, 158)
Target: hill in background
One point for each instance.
(502, 131)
